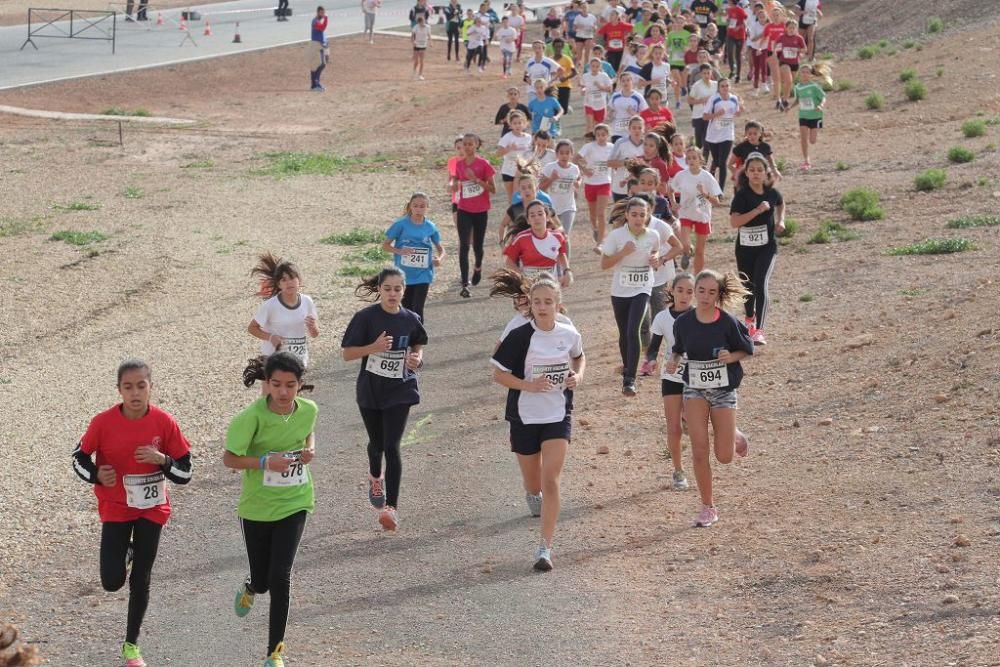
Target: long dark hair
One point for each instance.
(744, 180)
(270, 270)
(367, 289)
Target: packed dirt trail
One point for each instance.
(862, 529)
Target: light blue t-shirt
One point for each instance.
(418, 265)
(544, 108)
(540, 196)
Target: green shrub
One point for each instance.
(354, 237)
(781, 163)
(931, 179)
(119, 111)
(867, 52)
(132, 192)
(973, 128)
(842, 166)
(960, 155)
(907, 74)
(915, 90)
(970, 221)
(862, 204)
(909, 43)
(874, 101)
(843, 85)
(934, 247)
(78, 238)
(806, 298)
(832, 231)
(791, 228)
(918, 47)
(77, 206)
(883, 43)
(934, 24)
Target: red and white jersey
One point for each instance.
(529, 251)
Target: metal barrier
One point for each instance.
(99, 25)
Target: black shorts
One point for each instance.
(615, 197)
(804, 26)
(581, 40)
(454, 207)
(792, 66)
(813, 123)
(506, 178)
(419, 48)
(527, 439)
(677, 68)
(671, 388)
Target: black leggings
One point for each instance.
(316, 74)
(477, 54)
(563, 94)
(629, 312)
(471, 233)
(756, 264)
(614, 58)
(657, 302)
(454, 36)
(144, 537)
(414, 298)
(700, 128)
(734, 55)
(720, 155)
(271, 547)
(385, 433)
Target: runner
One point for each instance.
(625, 104)
(538, 248)
(773, 31)
(630, 146)
(606, 67)
(758, 212)
(701, 91)
(138, 447)
(370, 8)
(540, 66)
(389, 340)
(721, 112)
(753, 142)
(656, 73)
(475, 48)
(541, 152)
(810, 99)
(453, 18)
(473, 181)
(585, 25)
(654, 35)
(550, 353)
(615, 33)
(677, 41)
(415, 244)
(633, 252)
(757, 36)
(736, 36)
(545, 109)
(678, 150)
(714, 343)
(704, 12)
(656, 115)
(567, 72)
(593, 160)
(672, 385)
(507, 37)
(562, 179)
(272, 441)
(513, 103)
(513, 146)
(551, 25)
(421, 37)
(791, 48)
(568, 25)
(518, 23)
(595, 87)
(809, 13)
(527, 192)
(670, 247)
(698, 191)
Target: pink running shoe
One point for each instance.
(758, 337)
(706, 517)
(742, 445)
(388, 518)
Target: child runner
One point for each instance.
(473, 181)
(477, 35)
(721, 112)
(518, 23)
(272, 442)
(389, 340)
(773, 31)
(630, 146)
(561, 179)
(633, 252)
(758, 212)
(606, 67)
(593, 160)
(415, 244)
(736, 36)
(714, 343)
(596, 86)
(757, 35)
(320, 55)
(670, 247)
(527, 192)
(656, 114)
(138, 447)
(513, 103)
(453, 21)
(538, 248)
(585, 25)
(513, 146)
(678, 150)
(810, 12)
(545, 109)
(541, 152)
(421, 36)
(810, 99)
(567, 72)
(370, 8)
(615, 33)
(507, 37)
(698, 191)
(791, 47)
(677, 41)
(701, 91)
(753, 143)
(540, 66)
(656, 73)
(541, 363)
(672, 384)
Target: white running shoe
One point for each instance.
(534, 503)
(543, 558)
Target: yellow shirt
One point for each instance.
(567, 67)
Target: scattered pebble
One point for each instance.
(603, 449)
(942, 568)
(950, 599)
(827, 421)
(941, 398)
(962, 541)
(820, 661)
(628, 453)
(795, 424)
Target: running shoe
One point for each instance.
(706, 517)
(421, 77)
(388, 518)
(805, 166)
(750, 322)
(777, 105)
(477, 276)
(680, 482)
(275, 659)
(629, 389)
(534, 503)
(244, 599)
(543, 558)
(742, 444)
(376, 492)
(647, 368)
(684, 92)
(767, 87)
(464, 292)
(685, 261)
(755, 93)
(132, 655)
(678, 105)
(757, 336)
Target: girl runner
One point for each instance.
(538, 249)
(513, 146)
(656, 73)
(721, 112)
(138, 447)
(809, 12)
(758, 51)
(585, 25)
(753, 143)
(370, 9)
(518, 23)
(698, 191)
(415, 244)
(593, 160)
(389, 339)
(473, 182)
(670, 247)
(655, 114)
(736, 36)
(615, 33)
(654, 36)
(453, 18)
(596, 86)
(678, 150)
(699, 94)
(513, 103)
(541, 153)
(672, 385)
(758, 212)
(714, 343)
(507, 37)
(791, 47)
(477, 36)
(527, 192)
(627, 147)
(541, 363)
(562, 179)
(810, 99)
(421, 36)
(545, 109)
(633, 252)
(773, 31)
(272, 441)
(677, 41)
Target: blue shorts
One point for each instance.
(717, 398)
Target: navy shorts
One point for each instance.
(527, 439)
(671, 388)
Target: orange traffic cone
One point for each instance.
(184, 22)
(208, 29)
(159, 20)
(236, 37)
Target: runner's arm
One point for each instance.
(177, 471)
(255, 330)
(654, 347)
(84, 466)
(275, 462)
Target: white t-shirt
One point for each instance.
(606, 13)
(277, 319)
(700, 89)
(516, 22)
(507, 38)
(633, 275)
(695, 206)
(370, 6)
(562, 192)
(421, 35)
(597, 157)
(595, 98)
(584, 26)
(624, 148)
(722, 128)
(543, 69)
(545, 159)
(755, 31)
(811, 12)
(520, 320)
(680, 160)
(666, 272)
(663, 325)
(623, 107)
(521, 146)
(659, 77)
(477, 35)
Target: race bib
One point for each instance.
(725, 123)
(621, 124)
(677, 377)
(732, 23)
(807, 104)
(416, 258)
(295, 475)
(145, 491)
(677, 56)
(595, 95)
(389, 364)
(533, 272)
(790, 53)
(471, 189)
(296, 346)
(616, 44)
(635, 276)
(556, 373)
(563, 186)
(701, 19)
(545, 124)
(753, 236)
(707, 375)
(601, 169)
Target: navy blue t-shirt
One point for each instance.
(702, 342)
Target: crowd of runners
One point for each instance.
(650, 182)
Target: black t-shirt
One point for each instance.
(713, 46)
(744, 148)
(550, 24)
(453, 14)
(746, 200)
(703, 10)
(374, 388)
(702, 342)
(424, 11)
(502, 112)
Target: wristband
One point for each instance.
(263, 462)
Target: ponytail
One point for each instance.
(269, 271)
(732, 292)
(367, 289)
